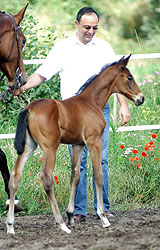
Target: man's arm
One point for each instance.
(124, 115)
(33, 81)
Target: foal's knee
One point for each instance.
(98, 178)
(47, 181)
(15, 178)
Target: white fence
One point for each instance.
(120, 129)
(133, 57)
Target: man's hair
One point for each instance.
(85, 10)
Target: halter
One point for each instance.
(18, 70)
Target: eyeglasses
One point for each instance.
(88, 27)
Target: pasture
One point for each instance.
(130, 187)
(134, 189)
(134, 183)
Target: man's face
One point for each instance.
(87, 27)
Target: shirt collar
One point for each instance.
(76, 41)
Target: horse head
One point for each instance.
(12, 41)
(125, 83)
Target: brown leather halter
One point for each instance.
(4, 95)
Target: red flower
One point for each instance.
(151, 142)
(154, 135)
(122, 146)
(144, 154)
(146, 148)
(29, 173)
(135, 151)
(42, 159)
(131, 158)
(56, 179)
(156, 158)
(139, 165)
(136, 158)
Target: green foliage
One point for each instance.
(12, 6)
(137, 172)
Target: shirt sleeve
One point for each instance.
(51, 65)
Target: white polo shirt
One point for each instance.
(76, 62)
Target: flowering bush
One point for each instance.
(142, 163)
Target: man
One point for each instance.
(76, 59)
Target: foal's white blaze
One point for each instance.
(65, 228)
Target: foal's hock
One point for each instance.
(78, 121)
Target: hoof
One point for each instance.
(65, 228)
(105, 222)
(10, 228)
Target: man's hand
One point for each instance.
(124, 115)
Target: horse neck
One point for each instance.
(102, 87)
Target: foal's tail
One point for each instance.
(20, 137)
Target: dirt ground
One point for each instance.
(137, 229)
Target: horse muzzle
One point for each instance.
(19, 80)
(22, 79)
(139, 99)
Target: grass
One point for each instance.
(136, 176)
(131, 185)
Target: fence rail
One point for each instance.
(133, 57)
(120, 129)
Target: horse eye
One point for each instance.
(130, 78)
(23, 42)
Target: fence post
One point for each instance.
(115, 110)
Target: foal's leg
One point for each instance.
(95, 148)
(75, 177)
(6, 175)
(4, 170)
(47, 180)
(15, 178)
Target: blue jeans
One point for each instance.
(80, 203)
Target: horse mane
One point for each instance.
(85, 85)
(2, 12)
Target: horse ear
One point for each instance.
(123, 62)
(19, 16)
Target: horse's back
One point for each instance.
(41, 107)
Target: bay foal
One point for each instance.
(78, 121)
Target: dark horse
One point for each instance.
(12, 42)
(78, 121)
